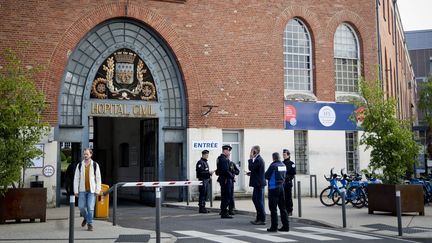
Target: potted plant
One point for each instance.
(393, 150)
(21, 128)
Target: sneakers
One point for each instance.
(257, 222)
(90, 227)
(84, 222)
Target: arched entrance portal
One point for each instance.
(123, 95)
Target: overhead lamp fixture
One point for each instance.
(209, 109)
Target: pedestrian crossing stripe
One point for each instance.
(313, 234)
(304, 235)
(257, 236)
(209, 237)
(341, 233)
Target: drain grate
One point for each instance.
(133, 238)
(395, 229)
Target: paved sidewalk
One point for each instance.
(313, 212)
(56, 229)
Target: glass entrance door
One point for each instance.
(233, 138)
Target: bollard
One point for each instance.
(71, 218)
(316, 192)
(115, 205)
(299, 199)
(158, 214)
(187, 194)
(343, 208)
(398, 210)
(211, 192)
(295, 187)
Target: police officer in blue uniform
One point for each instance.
(291, 171)
(225, 180)
(203, 174)
(275, 175)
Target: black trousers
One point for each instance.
(226, 187)
(203, 190)
(276, 199)
(231, 205)
(288, 196)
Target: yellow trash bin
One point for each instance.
(102, 204)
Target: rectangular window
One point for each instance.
(301, 155)
(351, 142)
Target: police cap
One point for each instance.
(226, 147)
(205, 151)
(286, 151)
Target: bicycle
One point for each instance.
(353, 188)
(326, 195)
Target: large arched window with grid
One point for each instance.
(347, 59)
(297, 57)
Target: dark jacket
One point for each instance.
(291, 169)
(275, 174)
(223, 170)
(202, 169)
(256, 169)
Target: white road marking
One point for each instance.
(341, 233)
(265, 237)
(305, 235)
(209, 237)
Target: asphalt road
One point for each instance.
(189, 227)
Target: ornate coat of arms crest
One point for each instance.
(124, 76)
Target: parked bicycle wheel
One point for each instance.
(337, 197)
(325, 197)
(357, 197)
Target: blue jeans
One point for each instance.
(258, 200)
(86, 204)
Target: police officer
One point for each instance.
(203, 174)
(291, 171)
(225, 180)
(235, 171)
(275, 175)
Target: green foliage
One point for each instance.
(394, 150)
(21, 125)
(425, 100)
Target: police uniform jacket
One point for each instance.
(256, 167)
(202, 169)
(223, 169)
(291, 169)
(275, 174)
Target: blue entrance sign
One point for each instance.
(319, 116)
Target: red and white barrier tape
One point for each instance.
(162, 183)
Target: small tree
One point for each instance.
(21, 126)
(425, 105)
(394, 150)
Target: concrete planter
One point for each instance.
(23, 203)
(382, 197)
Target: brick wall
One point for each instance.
(229, 52)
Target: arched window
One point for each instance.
(298, 57)
(347, 59)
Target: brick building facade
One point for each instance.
(245, 58)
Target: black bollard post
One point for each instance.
(158, 214)
(71, 218)
(187, 194)
(299, 199)
(399, 213)
(211, 192)
(343, 208)
(115, 205)
(295, 187)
